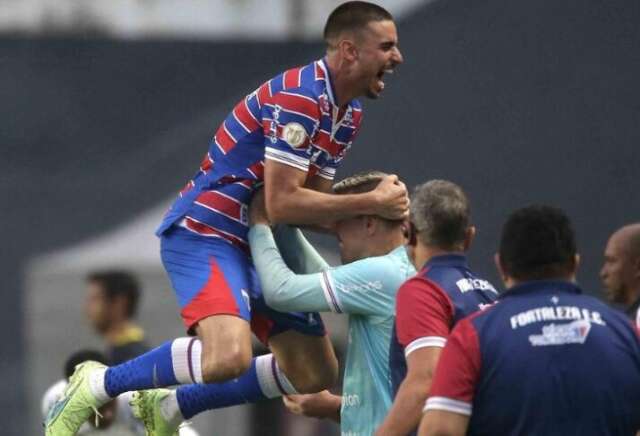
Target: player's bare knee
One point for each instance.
(226, 347)
(223, 365)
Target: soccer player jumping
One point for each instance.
(290, 135)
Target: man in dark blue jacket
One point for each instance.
(544, 360)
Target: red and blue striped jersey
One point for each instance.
(292, 119)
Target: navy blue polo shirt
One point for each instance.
(544, 360)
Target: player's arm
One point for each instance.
(289, 201)
(442, 423)
(283, 289)
(298, 254)
(323, 405)
(321, 184)
(406, 410)
(423, 317)
(297, 251)
(450, 403)
(359, 287)
(290, 121)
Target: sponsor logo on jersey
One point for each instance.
(273, 125)
(350, 400)
(575, 332)
(357, 287)
(244, 214)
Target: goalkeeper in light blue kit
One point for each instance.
(375, 264)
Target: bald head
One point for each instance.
(629, 239)
(620, 273)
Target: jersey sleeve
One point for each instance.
(365, 287)
(328, 170)
(457, 372)
(297, 252)
(424, 315)
(283, 290)
(289, 120)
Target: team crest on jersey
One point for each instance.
(294, 134)
(575, 332)
(325, 106)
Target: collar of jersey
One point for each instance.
(327, 78)
(542, 287)
(447, 260)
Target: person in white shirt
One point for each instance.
(116, 418)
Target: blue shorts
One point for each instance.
(212, 277)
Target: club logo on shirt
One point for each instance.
(575, 332)
(294, 134)
(325, 106)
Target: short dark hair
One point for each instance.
(116, 283)
(353, 15)
(441, 214)
(82, 356)
(538, 242)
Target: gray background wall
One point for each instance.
(518, 101)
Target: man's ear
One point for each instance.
(348, 50)
(498, 263)
(636, 266)
(576, 265)
(470, 235)
(408, 230)
(371, 224)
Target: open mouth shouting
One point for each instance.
(379, 80)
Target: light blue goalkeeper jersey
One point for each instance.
(365, 290)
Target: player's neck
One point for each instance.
(633, 296)
(342, 86)
(424, 254)
(116, 331)
(510, 282)
(385, 244)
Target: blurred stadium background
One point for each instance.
(106, 109)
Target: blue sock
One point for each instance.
(262, 381)
(174, 362)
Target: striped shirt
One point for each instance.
(292, 119)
